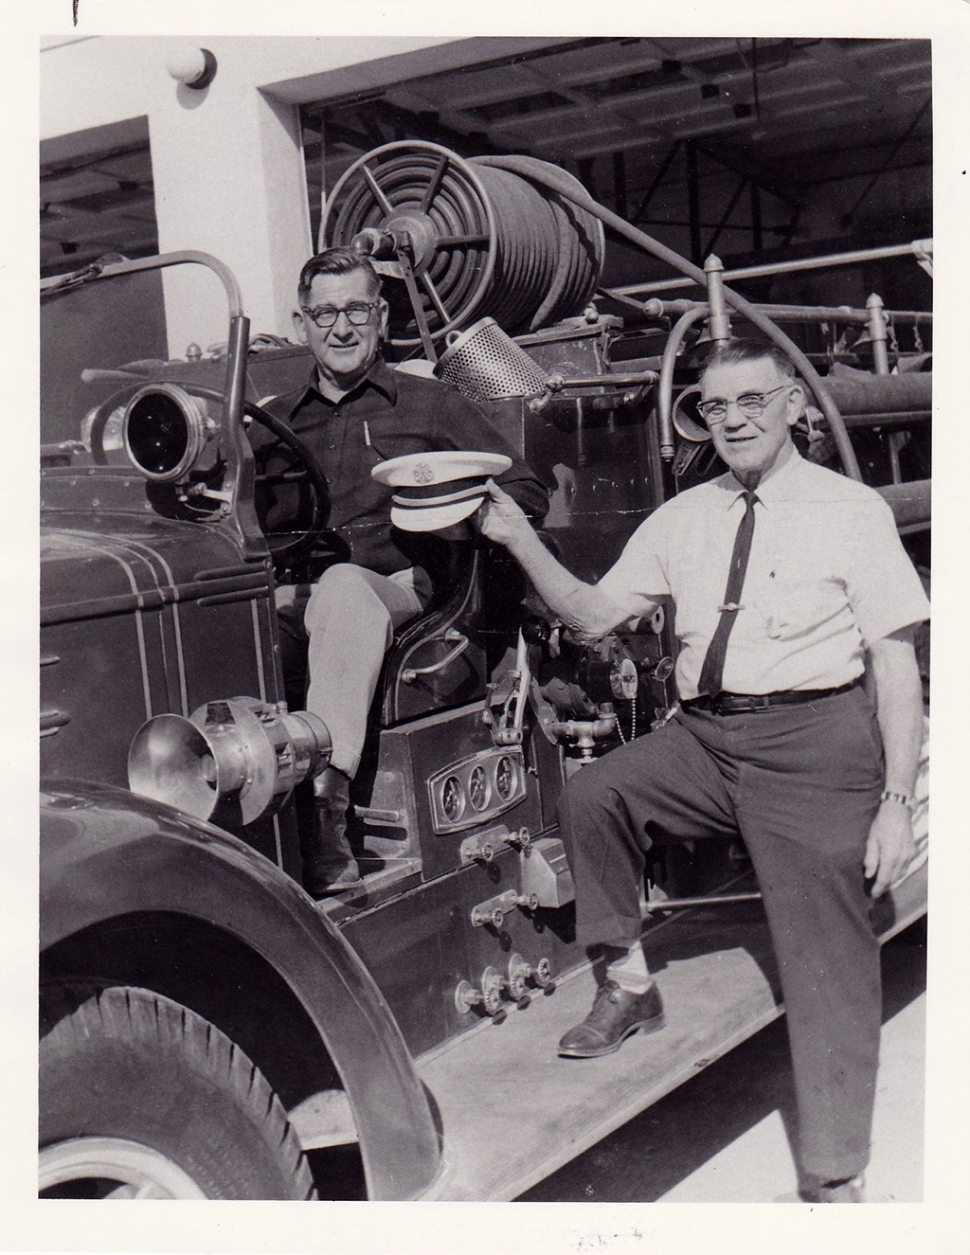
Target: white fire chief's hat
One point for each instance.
(436, 490)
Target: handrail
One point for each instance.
(792, 313)
(920, 249)
(108, 270)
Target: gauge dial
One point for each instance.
(505, 777)
(478, 789)
(452, 799)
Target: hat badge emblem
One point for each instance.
(423, 473)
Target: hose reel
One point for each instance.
(478, 240)
(383, 207)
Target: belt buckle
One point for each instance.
(737, 704)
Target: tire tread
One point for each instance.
(73, 1012)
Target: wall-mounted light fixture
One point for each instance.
(193, 67)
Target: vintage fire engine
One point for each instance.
(207, 1030)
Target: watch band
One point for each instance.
(901, 799)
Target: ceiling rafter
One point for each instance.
(767, 177)
(855, 72)
(459, 122)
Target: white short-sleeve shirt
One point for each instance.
(826, 577)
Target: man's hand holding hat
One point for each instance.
(500, 518)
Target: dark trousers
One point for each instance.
(801, 785)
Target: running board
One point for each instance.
(511, 1111)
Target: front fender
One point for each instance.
(106, 852)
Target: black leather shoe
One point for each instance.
(849, 1190)
(327, 876)
(615, 1015)
(328, 862)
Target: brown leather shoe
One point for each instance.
(328, 862)
(615, 1015)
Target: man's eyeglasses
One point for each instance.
(751, 404)
(324, 316)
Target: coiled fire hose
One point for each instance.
(564, 186)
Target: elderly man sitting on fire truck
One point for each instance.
(353, 413)
(790, 586)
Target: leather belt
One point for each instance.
(746, 703)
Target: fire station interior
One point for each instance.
(757, 149)
(765, 153)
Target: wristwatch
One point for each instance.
(901, 799)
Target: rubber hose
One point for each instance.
(579, 246)
(526, 249)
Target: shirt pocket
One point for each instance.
(793, 607)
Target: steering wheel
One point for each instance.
(285, 548)
(286, 552)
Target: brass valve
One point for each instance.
(494, 910)
(586, 732)
(520, 840)
(542, 973)
(489, 996)
(494, 988)
(519, 973)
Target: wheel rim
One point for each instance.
(112, 1168)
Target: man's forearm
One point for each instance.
(899, 708)
(582, 607)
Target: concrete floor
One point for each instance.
(724, 1136)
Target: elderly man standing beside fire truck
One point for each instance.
(352, 413)
(788, 583)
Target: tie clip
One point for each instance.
(732, 606)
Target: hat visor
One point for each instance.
(436, 517)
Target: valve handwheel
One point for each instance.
(492, 985)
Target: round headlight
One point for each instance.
(164, 431)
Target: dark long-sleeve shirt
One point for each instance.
(388, 414)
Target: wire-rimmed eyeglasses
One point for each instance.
(751, 405)
(324, 316)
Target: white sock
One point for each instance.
(628, 967)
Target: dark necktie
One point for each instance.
(713, 669)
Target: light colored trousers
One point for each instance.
(350, 619)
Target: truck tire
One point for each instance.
(142, 1098)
